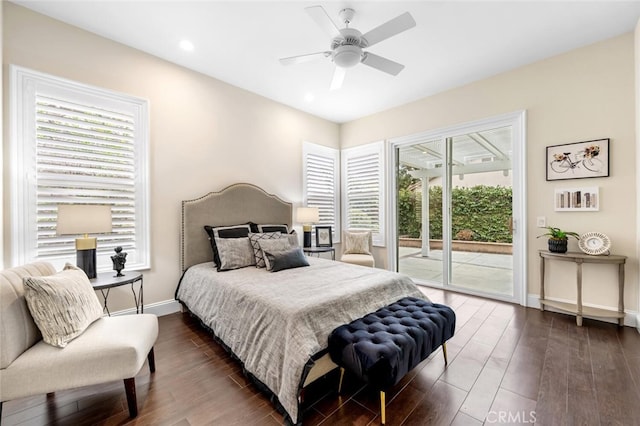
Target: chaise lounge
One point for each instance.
(110, 348)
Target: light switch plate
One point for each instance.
(541, 221)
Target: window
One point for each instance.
(76, 144)
(320, 183)
(363, 189)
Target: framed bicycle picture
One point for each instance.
(578, 160)
(323, 236)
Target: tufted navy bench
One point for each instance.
(383, 346)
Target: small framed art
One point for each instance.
(323, 236)
(578, 160)
(586, 199)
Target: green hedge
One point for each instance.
(483, 210)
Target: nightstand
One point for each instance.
(318, 250)
(105, 281)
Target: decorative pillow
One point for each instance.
(293, 239)
(234, 231)
(273, 228)
(273, 245)
(62, 305)
(287, 259)
(234, 253)
(254, 238)
(356, 242)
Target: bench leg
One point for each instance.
(152, 361)
(132, 402)
(340, 382)
(382, 404)
(444, 352)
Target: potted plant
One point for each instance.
(558, 239)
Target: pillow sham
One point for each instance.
(233, 231)
(286, 259)
(273, 245)
(254, 238)
(234, 253)
(62, 305)
(356, 242)
(273, 228)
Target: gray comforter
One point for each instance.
(274, 322)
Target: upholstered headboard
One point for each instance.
(236, 204)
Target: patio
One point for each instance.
(485, 272)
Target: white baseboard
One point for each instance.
(631, 318)
(165, 307)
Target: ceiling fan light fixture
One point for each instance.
(347, 56)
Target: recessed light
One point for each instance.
(309, 97)
(186, 45)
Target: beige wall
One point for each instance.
(585, 94)
(637, 117)
(205, 134)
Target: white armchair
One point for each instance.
(358, 247)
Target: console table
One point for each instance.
(577, 308)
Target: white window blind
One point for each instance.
(363, 189)
(80, 145)
(320, 183)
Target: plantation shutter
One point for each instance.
(77, 144)
(84, 155)
(363, 189)
(320, 181)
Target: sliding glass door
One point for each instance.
(455, 210)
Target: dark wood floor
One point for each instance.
(508, 365)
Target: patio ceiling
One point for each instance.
(475, 152)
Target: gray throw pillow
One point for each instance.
(286, 259)
(279, 244)
(234, 253)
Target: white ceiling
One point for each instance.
(454, 42)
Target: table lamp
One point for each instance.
(74, 219)
(307, 216)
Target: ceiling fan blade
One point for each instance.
(319, 15)
(382, 64)
(338, 78)
(390, 28)
(303, 58)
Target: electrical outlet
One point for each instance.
(541, 221)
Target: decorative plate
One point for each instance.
(594, 243)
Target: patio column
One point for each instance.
(425, 216)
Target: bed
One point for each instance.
(275, 323)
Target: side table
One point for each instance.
(318, 250)
(576, 308)
(105, 281)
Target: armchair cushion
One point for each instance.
(62, 305)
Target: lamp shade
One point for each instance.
(83, 219)
(308, 215)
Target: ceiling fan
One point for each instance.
(347, 44)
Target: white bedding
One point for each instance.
(275, 322)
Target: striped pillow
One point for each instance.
(62, 305)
